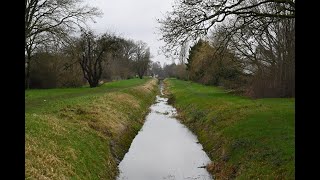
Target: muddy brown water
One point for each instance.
(164, 149)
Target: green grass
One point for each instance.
(39, 98)
(245, 138)
(81, 133)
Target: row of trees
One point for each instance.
(56, 55)
(93, 51)
(241, 44)
(207, 65)
(48, 23)
(89, 58)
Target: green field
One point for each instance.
(81, 133)
(245, 138)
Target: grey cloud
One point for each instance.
(135, 19)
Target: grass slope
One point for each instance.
(82, 133)
(245, 138)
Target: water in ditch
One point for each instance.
(164, 149)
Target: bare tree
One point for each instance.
(92, 52)
(191, 19)
(269, 55)
(156, 69)
(141, 58)
(120, 66)
(183, 53)
(48, 20)
(259, 32)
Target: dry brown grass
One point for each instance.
(58, 140)
(44, 164)
(148, 87)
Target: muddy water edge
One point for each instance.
(164, 148)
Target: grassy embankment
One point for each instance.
(81, 133)
(245, 138)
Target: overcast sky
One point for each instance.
(133, 19)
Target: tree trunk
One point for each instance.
(27, 73)
(94, 83)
